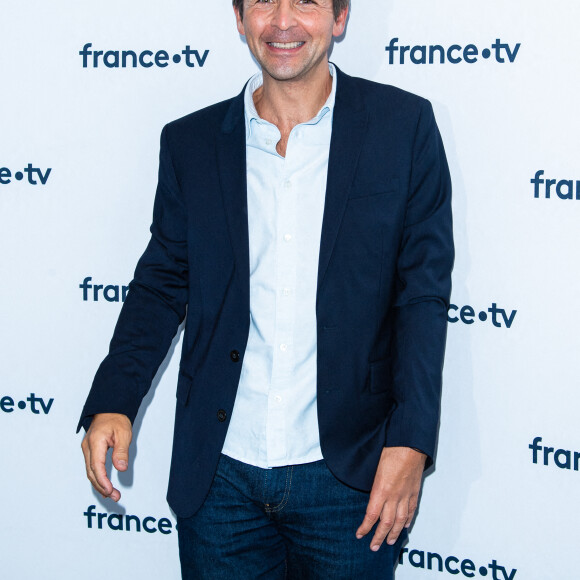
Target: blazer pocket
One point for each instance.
(381, 376)
(369, 189)
(184, 382)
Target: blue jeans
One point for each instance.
(295, 522)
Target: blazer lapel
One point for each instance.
(348, 130)
(231, 157)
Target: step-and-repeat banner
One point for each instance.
(86, 88)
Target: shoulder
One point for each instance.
(201, 127)
(208, 119)
(382, 98)
(196, 135)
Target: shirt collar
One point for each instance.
(255, 82)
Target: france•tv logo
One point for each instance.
(127, 523)
(36, 405)
(34, 175)
(494, 314)
(562, 458)
(110, 292)
(455, 566)
(145, 59)
(562, 188)
(500, 52)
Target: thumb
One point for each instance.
(121, 449)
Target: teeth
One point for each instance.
(286, 45)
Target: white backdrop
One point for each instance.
(78, 167)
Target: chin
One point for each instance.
(284, 73)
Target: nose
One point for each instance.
(284, 15)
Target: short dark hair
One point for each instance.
(337, 5)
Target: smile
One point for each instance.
(285, 45)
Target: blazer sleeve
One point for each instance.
(423, 286)
(154, 307)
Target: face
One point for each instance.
(290, 38)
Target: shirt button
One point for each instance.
(288, 184)
(268, 141)
(287, 237)
(221, 415)
(283, 347)
(278, 399)
(286, 291)
(235, 355)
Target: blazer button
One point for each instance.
(235, 356)
(221, 415)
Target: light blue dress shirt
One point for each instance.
(274, 421)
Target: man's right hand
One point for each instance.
(107, 430)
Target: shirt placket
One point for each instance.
(283, 355)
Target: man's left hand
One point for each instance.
(394, 495)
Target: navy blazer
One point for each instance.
(384, 281)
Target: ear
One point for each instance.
(239, 22)
(340, 23)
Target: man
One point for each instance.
(311, 243)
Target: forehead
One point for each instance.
(324, 3)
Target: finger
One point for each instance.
(373, 512)
(386, 523)
(400, 520)
(90, 475)
(413, 503)
(121, 449)
(98, 454)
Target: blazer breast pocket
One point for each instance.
(368, 189)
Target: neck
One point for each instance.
(289, 103)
